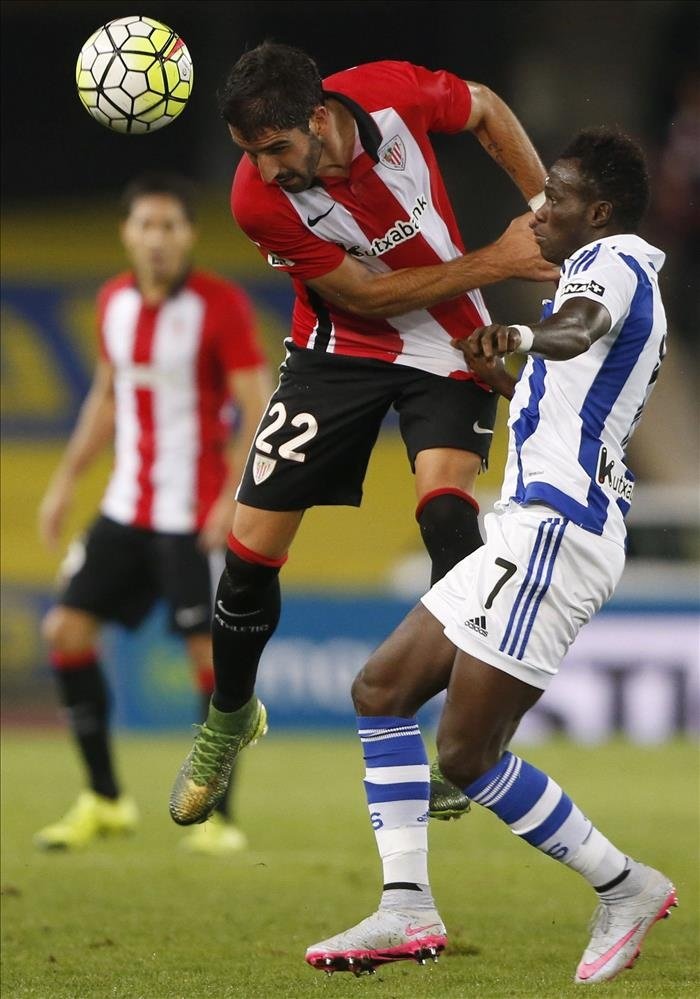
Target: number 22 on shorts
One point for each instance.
(289, 449)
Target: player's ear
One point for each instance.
(319, 120)
(600, 213)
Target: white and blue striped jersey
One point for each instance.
(570, 421)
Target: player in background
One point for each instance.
(340, 188)
(505, 617)
(178, 346)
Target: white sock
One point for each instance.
(397, 784)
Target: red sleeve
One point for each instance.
(444, 99)
(437, 100)
(237, 339)
(268, 219)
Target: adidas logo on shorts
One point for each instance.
(477, 624)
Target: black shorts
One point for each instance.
(117, 572)
(315, 440)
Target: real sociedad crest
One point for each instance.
(263, 468)
(393, 153)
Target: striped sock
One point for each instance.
(397, 785)
(537, 810)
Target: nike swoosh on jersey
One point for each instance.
(312, 221)
(479, 429)
(233, 613)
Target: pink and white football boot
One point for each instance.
(387, 935)
(620, 924)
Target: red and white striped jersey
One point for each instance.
(171, 364)
(391, 212)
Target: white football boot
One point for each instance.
(620, 924)
(387, 935)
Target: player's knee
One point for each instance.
(372, 696)
(242, 575)
(445, 510)
(65, 630)
(363, 695)
(244, 586)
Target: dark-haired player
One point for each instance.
(177, 345)
(505, 616)
(340, 188)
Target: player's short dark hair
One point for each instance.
(614, 167)
(172, 184)
(273, 86)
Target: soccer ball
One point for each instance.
(134, 75)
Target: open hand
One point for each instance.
(521, 253)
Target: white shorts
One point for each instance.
(519, 601)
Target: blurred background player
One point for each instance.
(340, 188)
(506, 616)
(178, 346)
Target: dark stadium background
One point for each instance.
(561, 66)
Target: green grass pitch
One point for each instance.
(139, 919)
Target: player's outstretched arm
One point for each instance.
(569, 332)
(354, 288)
(505, 140)
(93, 431)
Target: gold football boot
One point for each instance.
(204, 776)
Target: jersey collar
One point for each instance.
(181, 282)
(367, 130)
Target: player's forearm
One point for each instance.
(506, 142)
(251, 388)
(403, 291)
(236, 455)
(239, 447)
(93, 431)
(569, 332)
(560, 338)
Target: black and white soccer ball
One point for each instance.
(134, 75)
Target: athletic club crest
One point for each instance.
(263, 468)
(393, 153)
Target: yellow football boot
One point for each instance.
(215, 838)
(91, 816)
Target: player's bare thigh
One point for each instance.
(442, 467)
(266, 532)
(68, 630)
(407, 669)
(482, 710)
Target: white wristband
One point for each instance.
(527, 338)
(537, 202)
